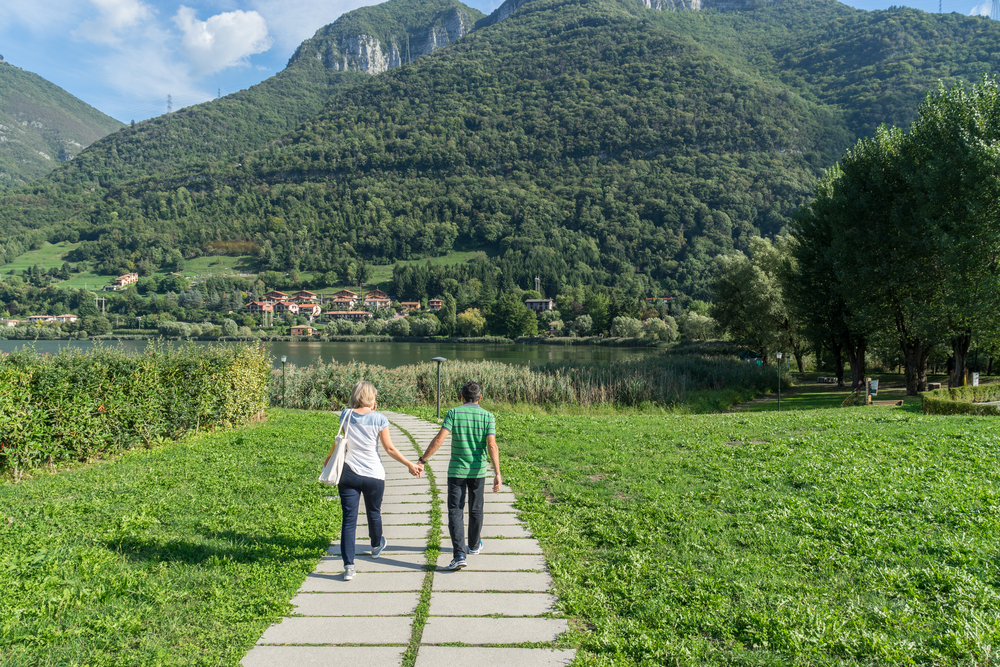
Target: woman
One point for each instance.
(363, 472)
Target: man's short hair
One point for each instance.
(471, 392)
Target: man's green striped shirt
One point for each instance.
(469, 425)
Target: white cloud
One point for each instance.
(114, 17)
(293, 21)
(982, 10)
(223, 40)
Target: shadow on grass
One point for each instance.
(220, 546)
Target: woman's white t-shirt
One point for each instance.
(362, 447)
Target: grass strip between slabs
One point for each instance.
(433, 549)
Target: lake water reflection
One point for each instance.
(392, 354)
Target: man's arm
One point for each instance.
(494, 452)
(435, 444)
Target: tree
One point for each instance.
(471, 323)
(511, 318)
(596, 305)
(657, 329)
(229, 327)
(627, 327)
(750, 301)
(398, 327)
(694, 326)
(583, 325)
(448, 315)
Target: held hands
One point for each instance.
(415, 469)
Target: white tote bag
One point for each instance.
(335, 461)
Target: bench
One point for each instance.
(933, 385)
(826, 380)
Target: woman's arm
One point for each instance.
(391, 450)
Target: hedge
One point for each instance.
(961, 401)
(75, 405)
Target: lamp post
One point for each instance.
(779, 381)
(439, 360)
(283, 360)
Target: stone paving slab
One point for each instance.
(538, 582)
(498, 546)
(486, 604)
(399, 493)
(491, 531)
(323, 656)
(449, 630)
(486, 562)
(339, 630)
(398, 519)
(358, 604)
(374, 582)
(363, 547)
(436, 656)
(389, 562)
(401, 508)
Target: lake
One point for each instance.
(391, 354)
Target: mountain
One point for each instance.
(42, 126)
(386, 36)
(582, 141)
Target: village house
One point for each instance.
(352, 315)
(434, 305)
(540, 305)
(286, 307)
(40, 319)
(339, 302)
(126, 280)
(10, 323)
(310, 310)
(302, 330)
(343, 298)
(411, 305)
(66, 318)
(377, 299)
(305, 297)
(255, 307)
(275, 296)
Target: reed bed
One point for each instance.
(666, 380)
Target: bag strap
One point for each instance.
(339, 430)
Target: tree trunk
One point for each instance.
(989, 366)
(960, 349)
(838, 362)
(915, 356)
(856, 356)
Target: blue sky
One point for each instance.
(125, 56)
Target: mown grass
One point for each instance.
(181, 555)
(862, 536)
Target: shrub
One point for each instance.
(471, 323)
(424, 326)
(962, 401)
(75, 405)
(398, 327)
(626, 327)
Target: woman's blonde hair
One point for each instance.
(363, 395)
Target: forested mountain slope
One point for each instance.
(579, 140)
(41, 126)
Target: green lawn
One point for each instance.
(807, 394)
(863, 536)
(181, 555)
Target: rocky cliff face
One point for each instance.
(369, 53)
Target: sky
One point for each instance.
(125, 57)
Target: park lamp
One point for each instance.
(439, 360)
(283, 360)
(779, 381)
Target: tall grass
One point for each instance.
(663, 380)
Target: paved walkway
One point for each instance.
(500, 599)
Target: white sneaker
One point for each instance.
(477, 550)
(377, 551)
(349, 573)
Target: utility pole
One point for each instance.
(538, 284)
(170, 104)
(100, 301)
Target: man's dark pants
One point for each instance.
(458, 487)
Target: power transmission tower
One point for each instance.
(170, 104)
(995, 10)
(218, 94)
(538, 281)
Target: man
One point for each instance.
(473, 436)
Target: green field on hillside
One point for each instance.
(862, 536)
